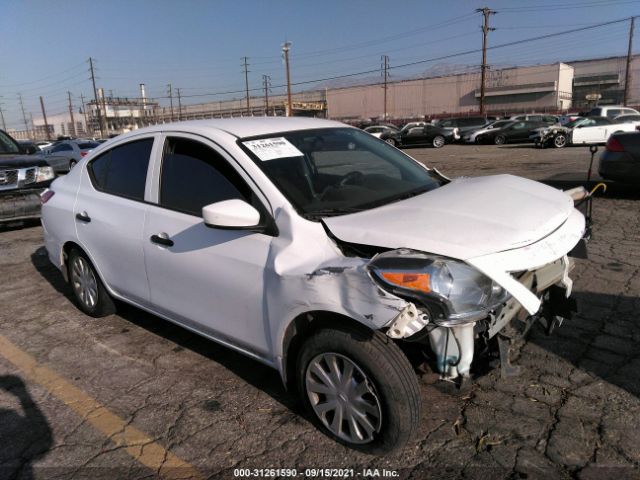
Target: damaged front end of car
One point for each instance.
(456, 306)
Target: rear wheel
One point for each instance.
(560, 140)
(500, 140)
(360, 389)
(391, 141)
(438, 141)
(89, 292)
(72, 163)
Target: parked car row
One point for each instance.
(543, 129)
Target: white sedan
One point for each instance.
(316, 249)
(582, 131)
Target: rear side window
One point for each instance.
(194, 176)
(87, 145)
(122, 170)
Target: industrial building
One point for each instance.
(559, 87)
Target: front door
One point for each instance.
(209, 279)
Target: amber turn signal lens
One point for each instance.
(415, 281)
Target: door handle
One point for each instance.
(162, 239)
(83, 217)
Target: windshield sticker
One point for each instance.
(272, 148)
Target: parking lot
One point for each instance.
(131, 395)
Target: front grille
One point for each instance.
(30, 176)
(8, 179)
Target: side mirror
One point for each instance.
(231, 214)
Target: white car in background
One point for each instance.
(583, 131)
(313, 248)
(377, 130)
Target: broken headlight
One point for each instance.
(451, 291)
(44, 173)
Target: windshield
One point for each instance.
(574, 123)
(336, 171)
(7, 145)
(499, 123)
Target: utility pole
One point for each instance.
(95, 97)
(179, 105)
(385, 74)
(24, 116)
(44, 115)
(627, 75)
(170, 90)
(246, 83)
(104, 109)
(286, 46)
(84, 113)
(486, 12)
(266, 79)
(4, 125)
(73, 123)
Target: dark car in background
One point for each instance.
(420, 135)
(620, 160)
(463, 124)
(29, 147)
(23, 178)
(65, 154)
(514, 132)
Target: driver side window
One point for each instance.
(193, 175)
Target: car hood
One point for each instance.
(464, 219)
(22, 161)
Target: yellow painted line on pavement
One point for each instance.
(135, 442)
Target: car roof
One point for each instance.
(241, 127)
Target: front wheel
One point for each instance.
(72, 163)
(360, 389)
(560, 141)
(438, 141)
(500, 140)
(391, 141)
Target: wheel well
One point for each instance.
(66, 250)
(305, 325)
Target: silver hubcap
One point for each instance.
(560, 141)
(343, 398)
(390, 141)
(438, 142)
(84, 282)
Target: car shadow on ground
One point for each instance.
(251, 371)
(602, 339)
(19, 225)
(25, 436)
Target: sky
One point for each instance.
(198, 45)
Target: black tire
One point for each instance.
(72, 163)
(500, 140)
(388, 373)
(103, 304)
(438, 141)
(391, 141)
(560, 140)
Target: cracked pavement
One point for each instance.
(572, 413)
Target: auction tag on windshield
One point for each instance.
(272, 148)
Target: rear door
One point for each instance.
(209, 279)
(110, 213)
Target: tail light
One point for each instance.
(83, 153)
(46, 196)
(614, 145)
